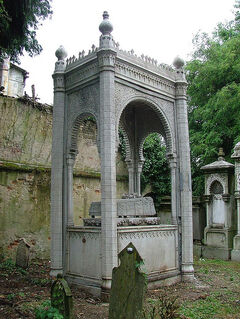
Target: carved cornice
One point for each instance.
(148, 78)
(79, 75)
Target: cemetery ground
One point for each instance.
(215, 293)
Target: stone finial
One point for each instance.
(61, 53)
(105, 26)
(178, 62)
(221, 154)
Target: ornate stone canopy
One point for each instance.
(140, 96)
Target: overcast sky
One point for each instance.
(157, 28)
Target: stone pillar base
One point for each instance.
(187, 273)
(105, 289)
(235, 254)
(216, 253)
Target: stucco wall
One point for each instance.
(25, 161)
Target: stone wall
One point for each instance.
(25, 164)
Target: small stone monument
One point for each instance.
(128, 285)
(22, 256)
(61, 297)
(220, 208)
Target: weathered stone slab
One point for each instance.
(128, 286)
(142, 206)
(61, 297)
(22, 257)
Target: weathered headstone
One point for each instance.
(22, 256)
(128, 285)
(61, 297)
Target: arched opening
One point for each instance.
(83, 162)
(156, 175)
(139, 119)
(218, 205)
(145, 143)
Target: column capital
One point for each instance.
(106, 59)
(181, 89)
(70, 159)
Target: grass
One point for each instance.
(215, 294)
(221, 296)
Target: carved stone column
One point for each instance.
(57, 165)
(106, 60)
(130, 176)
(207, 199)
(70, 164)
(138, 177)
(184, 173)
(173, 166)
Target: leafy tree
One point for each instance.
(19, 21)
(214, 93)
(156, 172)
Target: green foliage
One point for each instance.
(45, 310)
(155, 170)
(57, 297)
(19, 21)
(11, 296)
(162, 308)
(122, 144)
(42, 282)
(9, 266)
(213, 75)
(210, 307)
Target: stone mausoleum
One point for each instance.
(119, 90)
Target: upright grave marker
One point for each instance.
(61, 297)
(22, 256)
(128, 285)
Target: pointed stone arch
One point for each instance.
(73, 149)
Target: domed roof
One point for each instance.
(105, 26)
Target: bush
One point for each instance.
(162, 308)
(45, 311)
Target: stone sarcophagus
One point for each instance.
(130, 212)
(126, 207)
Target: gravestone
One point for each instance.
(61, 297)
(22, 256)
(128, 285)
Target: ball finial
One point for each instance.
(61, 53)
(178, 62)
(105, 26)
